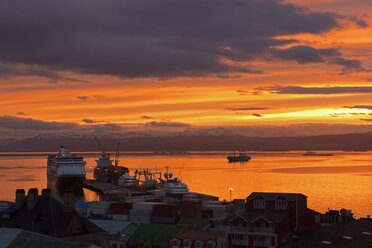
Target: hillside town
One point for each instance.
(177, 220)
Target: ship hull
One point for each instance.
(238, 159)
(63, 183)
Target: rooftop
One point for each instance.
(273, 196)
(272, 217)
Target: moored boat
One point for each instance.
(66, 170)
(173, 185)
(311, 153)
(241, 157)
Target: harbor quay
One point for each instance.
(153, 218)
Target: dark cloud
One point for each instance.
(167, 124)
(6, 72)
(163, 38)
(348, 65)
(21, 124)
(246, 108)
(146, 117)
(109, 127)
(89, 121)
(13, 122)
(21, 113)
(366, 119)
(84, 98)
(54, 77)
(257, 115)
(303, 54)
(314, 90)
(359, 107)
(359, 22)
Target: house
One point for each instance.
(294, 204)
(44, 214)
(190, 238)
(269, 219)
(119, 231)
(258, 229)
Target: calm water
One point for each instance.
(340, 181)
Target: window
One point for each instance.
(175, 243)
(186, 243)
(260, 239)
(198, 244)
(281, 204)
(259, 203)
(211, 244)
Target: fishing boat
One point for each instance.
(105, 170)
(173, 185)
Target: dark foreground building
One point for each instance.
(271, 218)
(44, 214)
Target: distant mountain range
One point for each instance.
(198, 140)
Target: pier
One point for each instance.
(107, 188)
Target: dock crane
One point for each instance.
(105, 170)
(117, 155)
(102, 149)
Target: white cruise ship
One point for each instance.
(65, 169)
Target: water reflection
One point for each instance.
(340, 181)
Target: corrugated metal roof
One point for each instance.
(273, 196)
(18, 238)
(7, 235)
(111, 226)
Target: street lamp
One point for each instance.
(230, 190)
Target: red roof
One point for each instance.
(165, 210)
(203, 235)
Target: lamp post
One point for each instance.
(230, 190)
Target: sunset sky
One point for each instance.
(258, 67)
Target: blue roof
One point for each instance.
(82, 204)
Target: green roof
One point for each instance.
(154, 234)
(194, 223)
